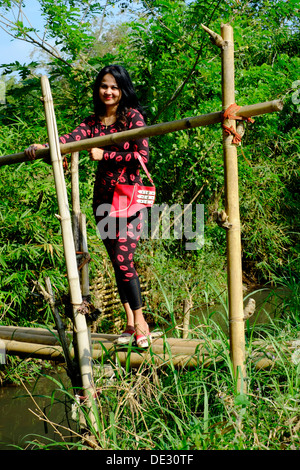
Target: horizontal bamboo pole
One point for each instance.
(148, 131)
(42, 351)
(27, 337)
(177, 357)
(180, 360)
(183, 352)
(177, 346)
(26, 329)
(42, 343)
(10, 332)
(14, 332)
(45, 344)
(50, 338)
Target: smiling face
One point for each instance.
(109, 92)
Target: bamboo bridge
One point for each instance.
(190, 352)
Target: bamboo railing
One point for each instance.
(148, 131)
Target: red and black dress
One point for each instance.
(120, 246)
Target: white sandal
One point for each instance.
(142, 340)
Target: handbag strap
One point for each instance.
(137, 154)
(139, 157)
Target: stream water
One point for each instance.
(18, 421)
(18, 424)
(268, 306)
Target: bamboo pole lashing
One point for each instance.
(148, 131)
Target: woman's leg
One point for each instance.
(129, 316)
(121, 252)
(134, 310)
(128, 280)
(142, 333)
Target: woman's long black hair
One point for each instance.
(128, 98)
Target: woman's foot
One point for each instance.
(142, 336)
(125, 337)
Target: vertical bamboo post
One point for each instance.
(79, 227)
(79, 223)
(234, 262)
(85, 284)
(75, 199)
(72, 372)
(85, 276)
(2, 352)
(84, 352)
(187, 305)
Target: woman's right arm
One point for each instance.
(83, 131)
(30, 151)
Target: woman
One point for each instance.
(116, 108)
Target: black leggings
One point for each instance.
(120, 237)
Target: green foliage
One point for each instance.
(30, 240)
(177, 73)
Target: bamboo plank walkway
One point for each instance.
(44, 344)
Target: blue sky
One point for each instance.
(13, 49)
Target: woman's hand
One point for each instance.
(95, 154)
(30, 151)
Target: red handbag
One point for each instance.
(128, 199)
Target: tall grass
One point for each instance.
(166, 408)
